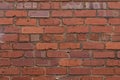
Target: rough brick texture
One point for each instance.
(59, 40)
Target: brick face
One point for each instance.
(59, 40)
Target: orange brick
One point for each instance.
(31, 30)
(96, 21)
(113, 45)
(70, 62)
(43, 46)
(16, 13)
(25, 22)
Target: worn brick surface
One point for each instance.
(59, 40)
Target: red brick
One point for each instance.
(42, 46)
(82, 37)
(105, 54)
(47, 37)
(70, 62)
(50, 21)
(11, 54)
(94, 37)
(113, 45)
(6, 46)
(44, 78)
(77, 29)
(33, 71)
(99, 29)
(115, 38)
(117, 71)
(54, 29)
(25, 22)
(4, 5)
(4, 78)
(10, 37)
(15, 13)
(85, 13)
(11, 29)
(79, 71)
(113, 78)
(117, 29)
(114, 21)
(22, 62)
(44, 5)
(1, 13)
(114, 5)
(56, 70)
(102, 71)
(59, 37)
(113, 62)
(46, 62)
(5, 62)
(60, 13)
(69, 45)
(70, 37)
(31, 30)
(79, 54)
(93, 63)
(91, 78)
(73, 21)
(5, 21)
(57, 54)
(21, 78)
(9, 71)
(93, 45)
(24, 37)
(96, 21)
(55, 5)
(24, 46)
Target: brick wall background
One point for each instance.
(59, 40)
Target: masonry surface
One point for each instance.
(59, 40)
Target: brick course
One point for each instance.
(59, 39)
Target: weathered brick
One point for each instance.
(108, 13)
(38, 13)
(5, 5)
(85, 13)
(72, 5)
(95, 5)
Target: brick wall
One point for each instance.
(59, 40)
